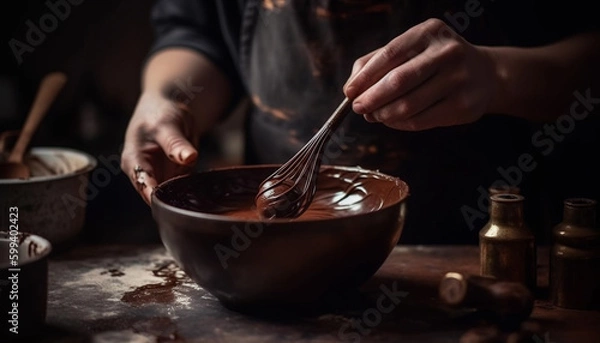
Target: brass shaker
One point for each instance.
(503, 189)
(507, 244)
(575, 257)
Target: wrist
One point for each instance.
(165, 96)
(500, 100)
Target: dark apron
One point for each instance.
(300, 56)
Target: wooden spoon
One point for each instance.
(51, 85)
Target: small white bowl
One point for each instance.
(53, 201)
(24, 286)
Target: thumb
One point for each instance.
(175, 145)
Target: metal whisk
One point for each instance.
(288, 192)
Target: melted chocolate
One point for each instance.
(341, 192)
(278, 199)
(288, 193)
(157, 292)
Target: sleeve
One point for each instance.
(538, 22)
(195, 25)
(562, 18)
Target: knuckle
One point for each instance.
(389, 52)
(358, 64)
(172, 142)
(151, 120)
(383, 115)
(459, 78)
(367, 102)
(395, 79)
(405, 107)
(400, 77)
(437, 31)
(126, 158)
(361, 61)
(433, 24)
(356, 68)
(463, 103)
(452, 49)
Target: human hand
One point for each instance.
(425, 78)
(159, 143)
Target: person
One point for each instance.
(448, 95)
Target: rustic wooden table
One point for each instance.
(122, 293)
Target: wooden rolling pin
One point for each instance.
(508, 302)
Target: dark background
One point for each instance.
(102, 45)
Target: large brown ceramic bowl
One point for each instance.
(208, 224)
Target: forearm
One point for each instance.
(538, 83)
(190, 80)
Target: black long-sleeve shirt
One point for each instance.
(291, 57)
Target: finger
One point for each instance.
(140, 172)
(177, 148)
(358, 65)
(398, 82)
(393, 54)
(370, 118)
(417, 100)
(441, 114)
(146, 184)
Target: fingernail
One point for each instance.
(349, 90)
(358, 108)
(185, 155)
(370, 118)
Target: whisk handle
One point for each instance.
(338, 115)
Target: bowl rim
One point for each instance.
(5, 234)
(157, 203)
(92, 162)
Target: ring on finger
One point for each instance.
(139, 176)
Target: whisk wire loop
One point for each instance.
(288, 191)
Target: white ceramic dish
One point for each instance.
(52, 202)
